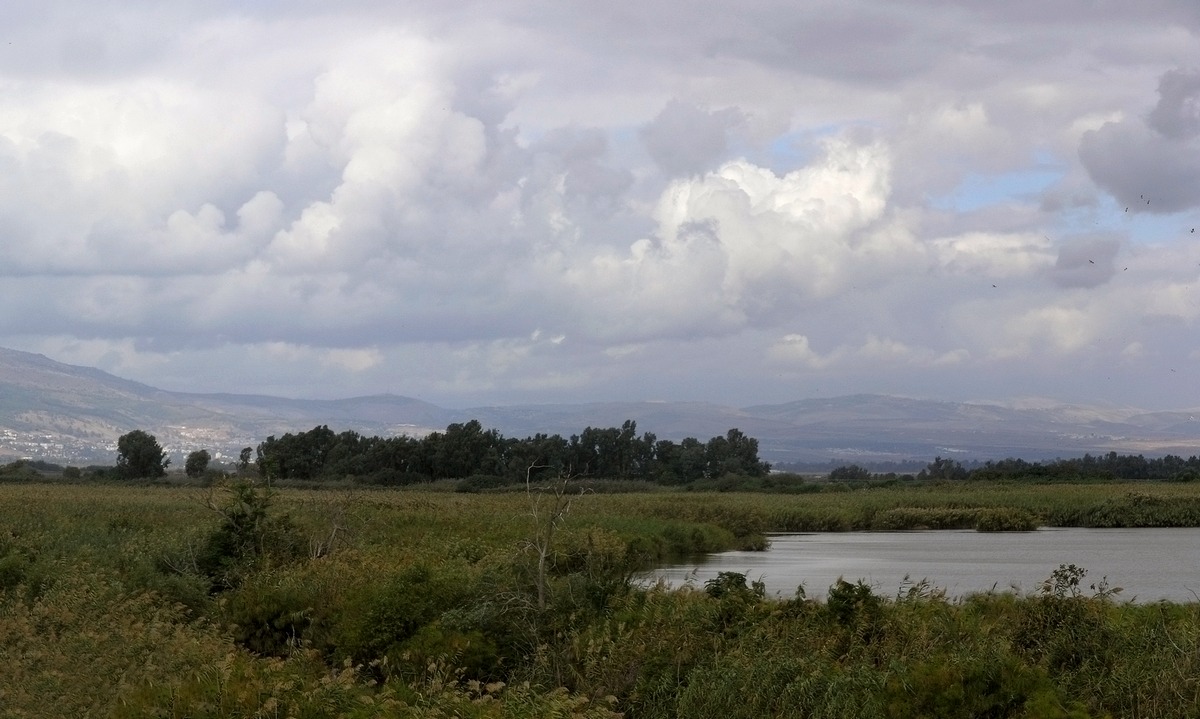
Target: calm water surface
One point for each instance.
(1150, 564)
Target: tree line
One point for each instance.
(1111, 466)
(468, 450)
(465, 451)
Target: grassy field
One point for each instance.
(132, 601)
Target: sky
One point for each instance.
(521, 201)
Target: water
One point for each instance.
(1149, 564)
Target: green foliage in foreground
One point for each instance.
(120, 601)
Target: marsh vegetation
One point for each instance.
(241, 600)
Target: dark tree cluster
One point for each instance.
(1111, 466)
(468, 450)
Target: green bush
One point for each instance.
(1006, 519)
(847, 602)
(925, 518)
(1063, 627)
(13, 568)
(269, 617)
(479, 482)
(986, 684)
(381, 617)
(247, 538)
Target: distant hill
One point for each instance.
(50, 410)
(57, 411)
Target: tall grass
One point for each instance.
(412, 603)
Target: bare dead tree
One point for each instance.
(549, 506)
(340, 517)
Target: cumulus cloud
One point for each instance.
(489, 202)
(1151, 165)
(741, 245)
(1177, 114)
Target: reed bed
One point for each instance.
(382, 603)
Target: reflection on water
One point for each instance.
(1150, 564)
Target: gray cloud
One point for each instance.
(686, 140)
(1177, 114)
(1143, 170)
(1086, 261)
(478, 202)
(1155, 166)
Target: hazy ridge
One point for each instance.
(63, 412)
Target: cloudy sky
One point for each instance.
(511, 201)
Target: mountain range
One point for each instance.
(65, 413)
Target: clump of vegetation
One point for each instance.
(1006, 519)
(21, 470)
(249, 538)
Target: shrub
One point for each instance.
(383, 616)
(479, 482)
(1006, 519)
(268, 617)
(727, 584)
(851, 604)
(987, 684)
(13, 568)
(247, 538)
(925, 518)
(1063, 627)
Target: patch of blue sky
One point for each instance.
(1150, 228)
(978, 190)
(789, 151)
(1135, 223)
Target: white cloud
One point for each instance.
(1133, 351)
(1173, 299)
(353, 360)
(1057, 329)
(797, 349)
(878, 352)
(993, 255)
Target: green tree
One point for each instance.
(941, 468)
(140, 455)
(197, 463)
(244, 460)
(849, 472)
(735, 453)
(690, 459)
(296, 456)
